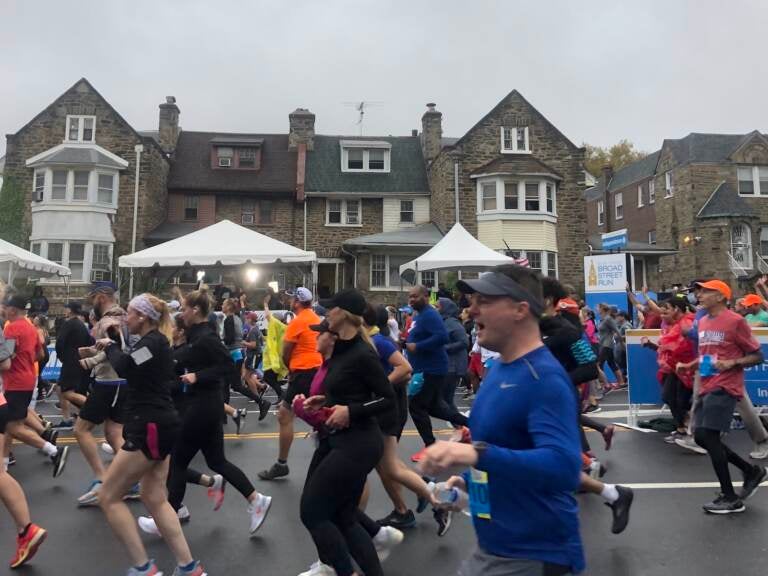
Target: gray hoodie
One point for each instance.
(457, 347)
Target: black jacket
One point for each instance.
(565, 342)
(206, 356)
(72, 334)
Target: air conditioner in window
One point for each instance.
(225, 162)
(248, 219)
(101, 276)
(38, 196)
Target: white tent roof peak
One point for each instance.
(12, 256)
(224, 243)
(458, 250)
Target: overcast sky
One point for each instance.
(599, 70)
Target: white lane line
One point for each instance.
(677, 485)
(623, 413)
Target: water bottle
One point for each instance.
(706, 368)
(452, 497)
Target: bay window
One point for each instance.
(80, 187)
(76, 260)
(76, 185)
(511, 196)
(543, 261)
(106, 187)
(489, 195)
(87, 260)
(501, 196)
(532, 203)
(59, 188)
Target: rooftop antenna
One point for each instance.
(361, 108)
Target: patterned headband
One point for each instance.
(143, 306)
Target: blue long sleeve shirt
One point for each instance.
(521, 490)
(430, 336)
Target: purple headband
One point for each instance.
(143, 306)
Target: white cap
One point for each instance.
(302, 294)
(174, 305)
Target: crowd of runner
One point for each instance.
(534, 360)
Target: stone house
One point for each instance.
(514, 181)
(71, 171)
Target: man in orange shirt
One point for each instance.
(302, 358)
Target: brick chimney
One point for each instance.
(169, 124)
(606, 179)
(431, 132)
(302, 129)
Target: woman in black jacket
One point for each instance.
(356, 391)
(150, 431)
(204, 365)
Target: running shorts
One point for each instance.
(476, 363)
(714, 411)
(393, 422)
(105, 402)
(154, 439)
(18, 402)
(299, 382)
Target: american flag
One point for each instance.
(522, 261)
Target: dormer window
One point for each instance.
(246, 158)
(514, 140)
(365, 156)
(81, 129)
(236, 153)
(225, 155)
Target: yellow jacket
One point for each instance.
(273, 348)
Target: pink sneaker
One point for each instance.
(216, 492)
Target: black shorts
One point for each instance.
(18, 402)
(714, 411)
(299, 382)
(393, 422)
(75, 383)
(3, 417)
(154, 439)
(104, 402)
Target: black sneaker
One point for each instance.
(238, 419)
(50, 435)
(278, 470)
(592, 409)
(264, 406)
(422, 503)
(397, 520)
(443, 518)
(11, 459)
(620, 509)
(60, 461)
(752, 481)
(724, 505)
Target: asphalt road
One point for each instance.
(668, 532)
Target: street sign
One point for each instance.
(614, 240)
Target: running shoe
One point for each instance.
(620, 509)
(674, 436)
(608, 436)
(592, 409)
(27, 545)
(91, 496)
(418, 455)
(385, 541)
(147, 523)
(151, 571)
(258, 510)
(397, 520)
(724, 505)
(196, 570)
(50, 434)
(443, 518)
(216, 492)
(11, 459)
(134, 493)
(689, 443)
(64, 424)
(239, 419)
(60, 460)
(264, 406)
(760, 452)
(106, 447)
(752, 481)
(278, 470)
(421, 502)
(319, 569)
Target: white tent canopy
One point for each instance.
(224, 243)
(458, 250)
(13, 259)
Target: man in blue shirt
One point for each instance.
(525, 461)
(425, 347)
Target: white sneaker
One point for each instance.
(258, 511)
(386, 540)
(689, 443)
(148, 526)
(106, 447)
(760, 452)
(319, 569)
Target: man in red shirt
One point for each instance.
(726, 347)
(20, 380)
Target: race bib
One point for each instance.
(479, 496)
(141, 355)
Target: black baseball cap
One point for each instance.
(102, 287)
(75, 306)
(322, 327)
(350, 300)
(16, 301)
(498, 284)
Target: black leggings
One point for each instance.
(677, 397)
(235, 382)
(202, 431)
(430, 402)
(606, 355)
(270, 378)
(721, 456)
(335, 482)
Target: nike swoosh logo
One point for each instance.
(504, 386)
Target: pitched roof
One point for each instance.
(634, 172)
(705, 147)
(407, 170)
(418, 236)
(68, 155)
(170, 230)
(725, 202)
(191, 167)
(522, 164)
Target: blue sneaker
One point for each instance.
(91, 496)
(134, 493)
(151, 570)
(196, 570)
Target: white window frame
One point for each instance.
(80, 128)
(600, 212)
(651, 237)
(344, 212)
(88, 252)
(669, 187)
(640, 202)
(247, 216)
(514, 133)
(744, 247)
(412, 212)
(366, 159)
(544, 256)
(112, 175)
(763, 239)
(38, 190)
(69, 186)
(651, 191)
(196, 207)
(88, 186)
(389, 287)
(618, 205)
(501, 183)
(756, 183)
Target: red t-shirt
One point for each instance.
(725, 337)
(22, 376)
(652, 321)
